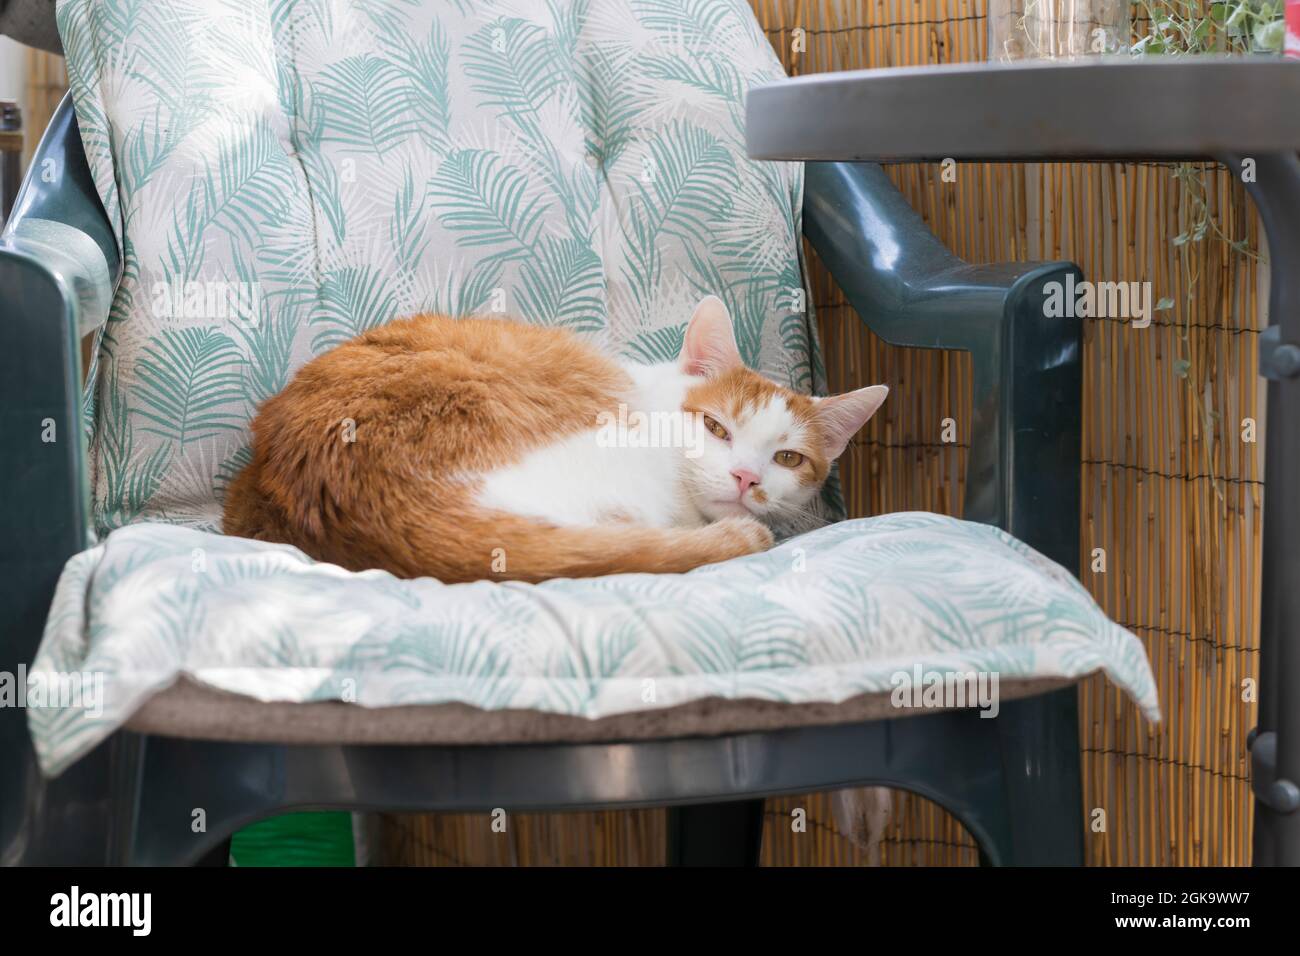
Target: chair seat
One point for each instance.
(191, 710)
(188, 633)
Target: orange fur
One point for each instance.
(430, 403)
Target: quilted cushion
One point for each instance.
(857, 608)
(283, 174)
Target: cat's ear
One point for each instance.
(842, 415)
(709, 345)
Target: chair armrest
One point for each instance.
(58, 268)
(1023, 470)
(30, 22)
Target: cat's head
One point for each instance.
(765, 450)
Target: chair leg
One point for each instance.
(126, 766)
(1042, 805)
(716, 834)
(219, 855)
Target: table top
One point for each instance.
(1115, 107)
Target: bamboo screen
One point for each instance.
(46, 84)
(1172, 493)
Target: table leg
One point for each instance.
(1275, 742)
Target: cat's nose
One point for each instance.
(744, 478)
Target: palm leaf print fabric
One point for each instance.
(824, 617)
(285, 174)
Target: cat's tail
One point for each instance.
(503, 547)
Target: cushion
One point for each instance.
(863, 613)
(284, 175)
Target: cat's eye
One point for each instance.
(713, 426)
(790, 459)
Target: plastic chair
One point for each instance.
(1013, 782)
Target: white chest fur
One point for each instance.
(607, 473)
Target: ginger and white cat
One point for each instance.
(466, 449)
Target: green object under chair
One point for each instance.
(321, 838)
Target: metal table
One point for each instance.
(1241, 111)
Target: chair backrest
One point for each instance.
(284, 175)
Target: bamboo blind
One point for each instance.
(1171, 492)
(46, 84)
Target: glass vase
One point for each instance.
(1057, 29)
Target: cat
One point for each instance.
(470, 449)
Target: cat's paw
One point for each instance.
(744, 535)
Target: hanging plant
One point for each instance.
(1225, 26)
